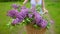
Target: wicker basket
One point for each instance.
(31, 30)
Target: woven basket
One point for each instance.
(31, 30)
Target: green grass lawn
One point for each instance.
(54, 11)
(53, 8)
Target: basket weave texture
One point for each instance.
(31, 30)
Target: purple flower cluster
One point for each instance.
(16, 21)
(12, 13)
(43, 23)
(39, 20)
(21, 15)
(15, 6)
(24, 13)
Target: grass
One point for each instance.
(53, 8)
(54, 11)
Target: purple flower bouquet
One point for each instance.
(30, 17)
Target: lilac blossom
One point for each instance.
(16, 21)
(12, 13)
(30, 15)
(37, 17)
(43, 24)
(15, 6)
(39, 20)
(23, 12)
(21, 15)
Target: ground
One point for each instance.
(52, 7)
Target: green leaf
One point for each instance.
(36, 26)
(48, 25)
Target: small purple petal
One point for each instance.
(30, 15)
(51, 21)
